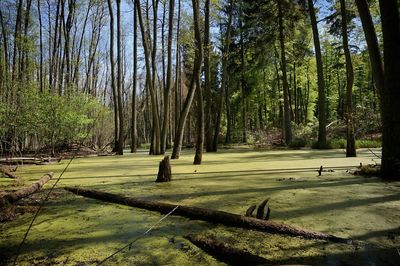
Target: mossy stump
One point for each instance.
(164, 170)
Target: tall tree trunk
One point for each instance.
(207, 77)
(351, 143)
(373, 45)
(390, 168)
(320, 74)
(286, 113)
(224, 78)
(169, 76)
(120, 149)
(149, 83)
(242, 78)
(113, 85)
(134, 135)
(192, 88)
(41, 47)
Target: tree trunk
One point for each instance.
(373, 45)
(351, 142)
(226, 253)
(8, 173)
(321, 82)
(149, 82)
(120, 147)
(113, 85)
(390, 168)
(134, 135)
(164, 170)
(287, 122)
(207, 78)
(192, 88)
(168, 85)
(208, 215)
(25, 192)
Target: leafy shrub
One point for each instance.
(298, 143)
(366, 143)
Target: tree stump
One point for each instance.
(164, 170)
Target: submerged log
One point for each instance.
(226, 253)
(8, 173)
(28, 160)
(209, 215)
(164, 170)
(11, 197)
(250, 210)
(260, 210)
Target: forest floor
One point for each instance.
(73, 230)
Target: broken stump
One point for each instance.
(164, 170)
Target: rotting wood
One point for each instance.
(250, 210)
(8, 173)
(209, 215)
(260, 210)
(225, 252)
(28, 160)
(11, 197)
(164, 170)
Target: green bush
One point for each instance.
(341, 144)
(298, 143)
(366, 143)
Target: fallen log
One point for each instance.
(11, 197)
(8, 173)
(28, 160)
(226, 253)
(209, 215)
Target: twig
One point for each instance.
(379, 157)
(139, 237)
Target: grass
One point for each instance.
(73, 230)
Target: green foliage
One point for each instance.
(341, 144)
(49, 119)
(298, 143)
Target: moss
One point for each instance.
(73, 230)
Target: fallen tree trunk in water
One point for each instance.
(25, 192)
(8, 173)
(226, 253)
(208, 215)
(29, 160)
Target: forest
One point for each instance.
(211, 132)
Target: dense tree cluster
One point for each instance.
(197, 73)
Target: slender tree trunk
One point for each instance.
(41, 47)
(120, 147)
(207, 78)
(169, 76)
(373, 45)
(192, 88)
(155, 115)
(287, 122)
(113, 85)
(242, 78)
(134, 135)
(320, 74)
(390, 168)
(351, 143)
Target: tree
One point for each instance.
(321, 81)
(134, 134)
(169, 77)
(351, 143)
(120, 148)
(390, 168)
(286, 112)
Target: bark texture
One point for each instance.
(209, 215)
(25, 192)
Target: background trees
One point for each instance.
(273, 72)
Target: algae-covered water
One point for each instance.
(72, 230)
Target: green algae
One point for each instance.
(72, 230)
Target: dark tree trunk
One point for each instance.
(168, 86)
(286, 112)
(11, 197)
(209, 215)
(226, 253)
(351, 142)
(134, 135)
(120, 147)
(373, 45)
(164, 170)
(390, 168)
(207, 77)
(321, 82)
